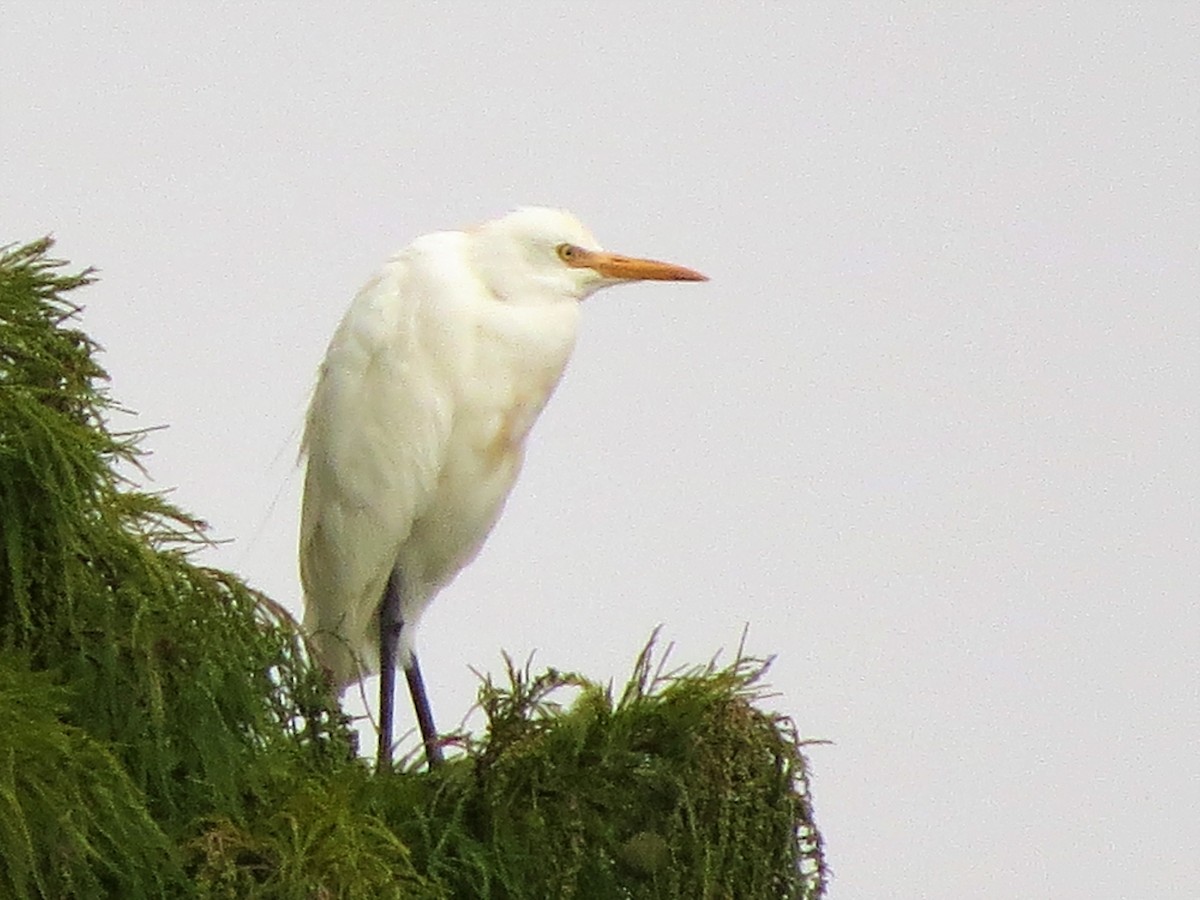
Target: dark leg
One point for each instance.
(389, 637)
(390, 625)
(416, 687)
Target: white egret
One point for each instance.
(417, 427)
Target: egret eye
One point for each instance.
(568, 253)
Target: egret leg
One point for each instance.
(390, 626)
(389, 637)
(429, 735)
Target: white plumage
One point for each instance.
(417, 426)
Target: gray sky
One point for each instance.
(930, 430)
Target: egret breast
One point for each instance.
(518, 359)
(517, 420)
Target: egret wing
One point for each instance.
(375, 438)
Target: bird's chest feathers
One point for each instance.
(519, 358)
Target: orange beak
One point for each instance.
(631, 268)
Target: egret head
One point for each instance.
(538, 254)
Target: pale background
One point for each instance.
(930, 430)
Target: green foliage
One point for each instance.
(199, 686)
(318, 839)
(681, 788)
(71, 822)
(163, 734)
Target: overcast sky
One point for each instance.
(930, 429)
